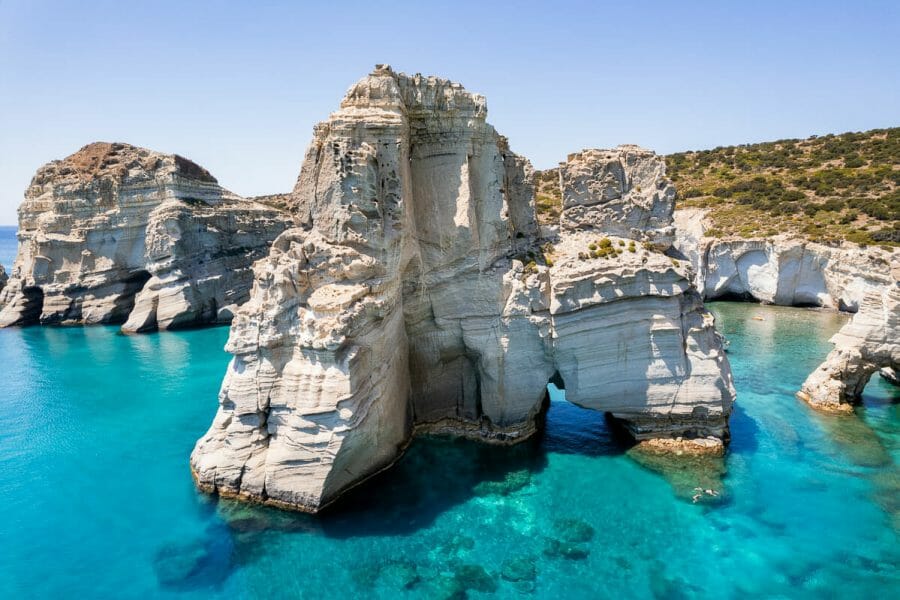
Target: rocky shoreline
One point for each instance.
(404, 287)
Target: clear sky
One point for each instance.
(237, 87)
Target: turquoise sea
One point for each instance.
(97, 500)
(8, 246)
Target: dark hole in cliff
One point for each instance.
(737, 297)
(134, 283)
(33, 305)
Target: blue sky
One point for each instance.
(237, 87)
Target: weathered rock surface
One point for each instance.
(622, 192)
(782, 270)
(120, 234)
(868, 343)
(3, 277)
(414, 295)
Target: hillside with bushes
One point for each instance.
(826, 189)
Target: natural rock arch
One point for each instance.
(869, 342)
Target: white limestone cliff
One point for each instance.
(120, 234)
(414, 295)
(782, 270)
(622, 192)
(868, 343)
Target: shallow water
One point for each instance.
(97, 500)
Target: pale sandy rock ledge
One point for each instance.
(782, 270)
(120, 234)
(414, 294)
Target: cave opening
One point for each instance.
(32, 305)
(124, 304)
(572, 429)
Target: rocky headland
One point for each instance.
(416, 294)
(120, 234)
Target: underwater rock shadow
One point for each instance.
(744, 431)
(434, 475)
(438, 473)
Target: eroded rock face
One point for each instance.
(3, 278)
(868, 343)
(120, 234)
(622, 192)
(414, 295)
(782, 270)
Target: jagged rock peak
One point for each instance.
(385, 88)
(118, 161)
(623, 191)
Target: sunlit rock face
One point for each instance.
(621, 192)
(782, 270)
(414, 295)
(120, 234)
(868, 343)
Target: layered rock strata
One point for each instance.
(865, 345)
(120, 234)
(782, 270)
(415, 295)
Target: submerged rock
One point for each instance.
(697, 477)
(475, 578)
(195, 564)
(512, 482)
(554, 548)
(120, 234)
(573, 530)
(520, 568)
(415, 295)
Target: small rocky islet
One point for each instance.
(406, 287)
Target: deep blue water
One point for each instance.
(8, 246)
(97, 500)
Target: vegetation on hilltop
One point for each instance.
(826, 189)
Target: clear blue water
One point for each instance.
(97, 501)
(8, 245)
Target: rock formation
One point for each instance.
(782, 270)
(3, 278)
(868, 343)
(414, 295)
(621, 192)
(119, 234)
